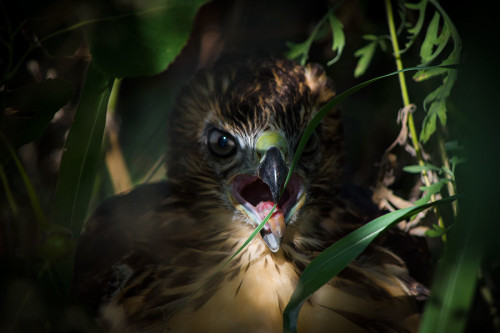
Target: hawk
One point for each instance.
(150, 260)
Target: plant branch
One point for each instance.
(406, 101)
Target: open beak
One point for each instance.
(255, 195)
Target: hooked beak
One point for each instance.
(255, 195)
(273, 171)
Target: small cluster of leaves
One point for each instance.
(300, 51)
(429, 191)
(438, 35)
(440, 31)
(365, 54)
(444, 176)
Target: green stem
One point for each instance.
(406, 101)
(452, 190)
(402, 81)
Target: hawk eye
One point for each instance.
(221, 143)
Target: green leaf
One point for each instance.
(441, 42)
(437, 110)
(415, 6)
(433, 43)
(420, 168)
(299, 51)
(427, 48)
(455, 279)
(335, 258)
(82, 152)
(383, 45)
(426, 74)
(417, 28)
(322, 112)
(436, 231)
(428, 128)
(31, 108)
(338, 37)
(424, 199)
(452, 146)
(436, 187)
(432, 97)
(365, 55)
(371, 38)
(141, 38)
(456, 160)
(435, 102)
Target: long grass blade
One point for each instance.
(323, 111)
(335, 258)
(455, 282)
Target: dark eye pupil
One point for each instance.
(223, 141)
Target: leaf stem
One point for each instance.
(406, 101)
(452, 190)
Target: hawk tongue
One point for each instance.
(274, 229)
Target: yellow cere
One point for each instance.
(269, 139)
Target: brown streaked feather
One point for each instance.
(151, 260)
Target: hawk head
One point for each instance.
(234, 133)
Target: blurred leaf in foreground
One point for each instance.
(29, 110)
(140, 38)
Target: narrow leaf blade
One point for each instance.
(334, 259)
(82, 152)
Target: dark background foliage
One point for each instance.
(34, 298)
